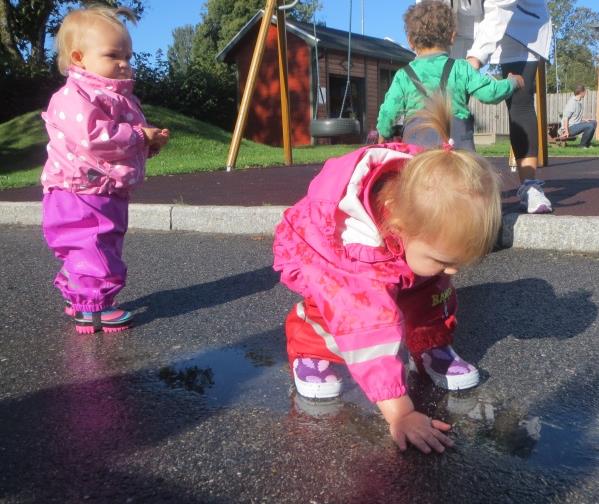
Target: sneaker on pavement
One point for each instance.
(109, 320)
(532, 197)
(448, 370)
(315, 378)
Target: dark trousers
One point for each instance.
(587, 128)
(524, 135)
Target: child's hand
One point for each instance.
(156, 138)
(406, 424)
(474, 62)
(518, 78)
(423, 432)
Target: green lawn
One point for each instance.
(194, 146)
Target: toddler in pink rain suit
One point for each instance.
(99, 143)
(371, 249)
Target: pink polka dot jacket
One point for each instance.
(96, 142)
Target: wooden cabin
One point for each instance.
(374, 62)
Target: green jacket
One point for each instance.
(403, 97)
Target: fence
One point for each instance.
(494, 118)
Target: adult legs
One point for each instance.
(523, 119)
(524, 137)
(587, 128)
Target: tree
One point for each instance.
(576, 46)
(180, 52)
(24, 25)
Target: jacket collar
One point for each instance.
(120, 86)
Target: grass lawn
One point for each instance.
(194, 146)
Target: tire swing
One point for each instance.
(336, 126)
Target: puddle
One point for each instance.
(565, 435)
(233, 377)
(556, 438)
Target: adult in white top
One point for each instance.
(514, 34)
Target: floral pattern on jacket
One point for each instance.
(339, 259)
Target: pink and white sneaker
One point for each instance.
(315, 378)
(448, 370)
(109, 320)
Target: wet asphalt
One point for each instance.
(195, 404)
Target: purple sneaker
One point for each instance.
(448, 370)
(315, 378)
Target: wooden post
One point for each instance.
(511, 162)
(541, 98)
(250, 84)
(284, 85)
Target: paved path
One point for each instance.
(93, 418)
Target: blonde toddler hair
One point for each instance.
(444, 195)
(71, 34)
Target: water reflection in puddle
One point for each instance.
(239, 377)
(554, 438)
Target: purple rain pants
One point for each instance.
(86, 232)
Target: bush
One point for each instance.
(25, 92)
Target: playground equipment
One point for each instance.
(318, 127)
(340, 125)
(269, 9)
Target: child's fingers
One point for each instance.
(400, 440)
(436, 444)
(442, 426)
(420, 443)
(447, 441)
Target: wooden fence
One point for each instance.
(494, 118)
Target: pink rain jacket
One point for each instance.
(328, 248)
(96, 142)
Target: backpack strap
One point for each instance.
(415, 80)
(418, 83)
(445, 74)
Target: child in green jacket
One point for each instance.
(430, 26)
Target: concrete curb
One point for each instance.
(204, 219)
(549, 232)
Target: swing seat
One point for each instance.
(334, 127)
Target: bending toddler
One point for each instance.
(371, 248)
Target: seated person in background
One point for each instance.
(573, 123)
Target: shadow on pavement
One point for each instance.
(171, 303)
(107, 437)
(530, 308)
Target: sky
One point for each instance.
(382, 18)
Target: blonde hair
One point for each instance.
(444, 196)
(72, 30)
